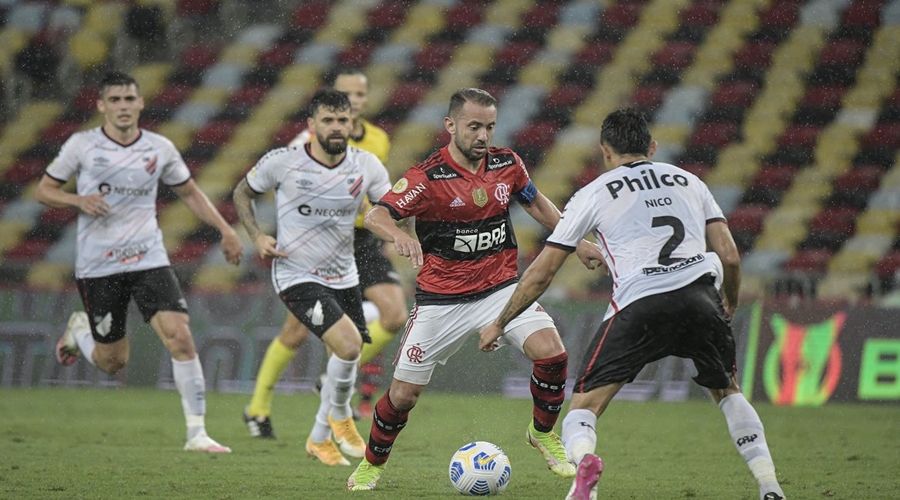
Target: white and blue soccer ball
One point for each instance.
(480, 469)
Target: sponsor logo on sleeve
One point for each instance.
(410, 195)
(401, 186)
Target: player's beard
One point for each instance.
(332, 148)
(468, 153)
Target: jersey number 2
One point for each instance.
(665, 253)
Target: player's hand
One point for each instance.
(489, 335)
(232, 247)
(589, 254)
(93, 205)
(410, 248)
(267, 247)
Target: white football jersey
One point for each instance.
(650, 221)
(316, 207)
(128, 238)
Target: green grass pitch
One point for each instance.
(61, 443)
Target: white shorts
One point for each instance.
(435, 332)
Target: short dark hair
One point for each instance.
(117, 78)
(627, 132)
(332, 75)
(330, 99)
(462, 96)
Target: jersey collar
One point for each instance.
(308, 148)
(637, 163)
(132, 143)
(445, 153)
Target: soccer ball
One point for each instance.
(479, 469)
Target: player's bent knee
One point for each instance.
(293, 334)
(544, 343)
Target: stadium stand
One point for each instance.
(789, 110)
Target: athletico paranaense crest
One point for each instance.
(803, 365)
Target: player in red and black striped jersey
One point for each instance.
(460, 199)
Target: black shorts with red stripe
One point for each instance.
(688, 323)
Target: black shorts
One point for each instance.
(106, 299)
(319, 307)
(374, 266)
(689, 323)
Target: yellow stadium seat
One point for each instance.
(89, 49)
(152, 78)
(180, 134)
(507, 12)
(49, 276)
(239, 54)
(220, 278)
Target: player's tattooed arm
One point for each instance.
(246, 211)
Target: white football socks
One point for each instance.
(335, 396)
(191, 386)
(86, 344)
(579, 434)
(748, 437)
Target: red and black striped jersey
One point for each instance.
(463, 223)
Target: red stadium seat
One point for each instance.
(701, 14)
(172, 96)
(407, 94)
(434, 56)
(229, 213)
(649, 97)
(883, 135)
(888, 266)
(86, 100)
(677, 55)
(250, 95)
(844, 52)
(30, 249)
(58, 132)
(863, 14)
(464, 15)
(622, 14)
(803, 136)
(755, 54)
(278, 56)
(288, 131)
(537, 135)
(596, 53)
(517, 53)
(200, 56)
(748, 218)
(783, 14)
(215, 133)
(812, 260)
(775, 177)
(714, 134)
(696, 168)
(542, 15)
(188, 8)
(388, 15)
(865, 178)
(357, 54)
(828, 96)
(566, 96)
(25, 170)
(840, 220)
(310, 15)
(58, 216)
(740, 94)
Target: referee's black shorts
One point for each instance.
(689, 323)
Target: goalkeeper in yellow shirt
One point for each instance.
(377, 279)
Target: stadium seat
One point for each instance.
(814, 260)
(310, 15)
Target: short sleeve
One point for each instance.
(579, 217)
(175, 172)
(409, 195)
(380, 182)
(261, 177)
(67, 162)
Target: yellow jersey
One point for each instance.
(374, 140)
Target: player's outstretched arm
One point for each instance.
(719, 239)
(543, 210)
(379, 221)
(50, 193)
(534, 283)
(243, 203)
(199, 203)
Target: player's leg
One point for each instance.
(158, 296)
(433, 334)
(278, 356)
(749, 438)
(534, 333)
(98, 333)
(390, 300)
(579, 435)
